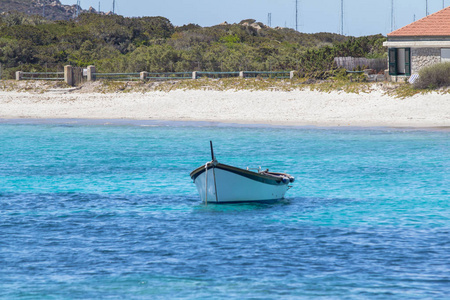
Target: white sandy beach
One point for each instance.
(256, 107)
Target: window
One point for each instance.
(445, 55)
(400, 61)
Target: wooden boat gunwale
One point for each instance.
(268, 177)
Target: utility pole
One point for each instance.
(426, 4)
(98, 6)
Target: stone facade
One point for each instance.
(422, 57)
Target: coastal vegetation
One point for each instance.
(434, 76)
(116, 44)
(392, 89)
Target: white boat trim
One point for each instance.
(227, 184)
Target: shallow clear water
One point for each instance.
(109, 211)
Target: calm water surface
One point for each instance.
(109, 211)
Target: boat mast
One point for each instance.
(212, 151)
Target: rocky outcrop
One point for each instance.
(252, 23)
(50, 9)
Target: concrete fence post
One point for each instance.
(292, 74)
(241, 74)
(68, 75)
(194, 75)
(91, 73)
(19, 75)
(143, 76)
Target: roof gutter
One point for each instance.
(417, 44)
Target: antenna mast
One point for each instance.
(269, 19)
(426, 4)
(78, 8)
(342, 17)
(392, 15)
(114, 6)
(296, 15)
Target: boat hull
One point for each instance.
(225, 184)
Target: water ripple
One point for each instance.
(114, 214)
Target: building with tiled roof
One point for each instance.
(419, 44)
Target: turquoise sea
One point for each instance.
(107, 210)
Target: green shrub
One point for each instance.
(434, 76)
(119, 44)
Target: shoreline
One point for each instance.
(298, 108)
(168, 123)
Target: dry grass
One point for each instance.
(343, 86)
(32, 86)
(406, 90)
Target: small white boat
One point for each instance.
(219, 183)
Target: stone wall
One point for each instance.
(422, 57)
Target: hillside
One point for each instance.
(117, 44)
(50, 9)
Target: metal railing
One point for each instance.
(168, 76)
(267, 74)
(118, 76)
(42, 76)
(217, 75)
(90, 74)
(190, 75)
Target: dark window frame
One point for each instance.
(408, 61)
(393, 60)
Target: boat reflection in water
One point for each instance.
(220, 183)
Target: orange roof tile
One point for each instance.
(437, 24)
